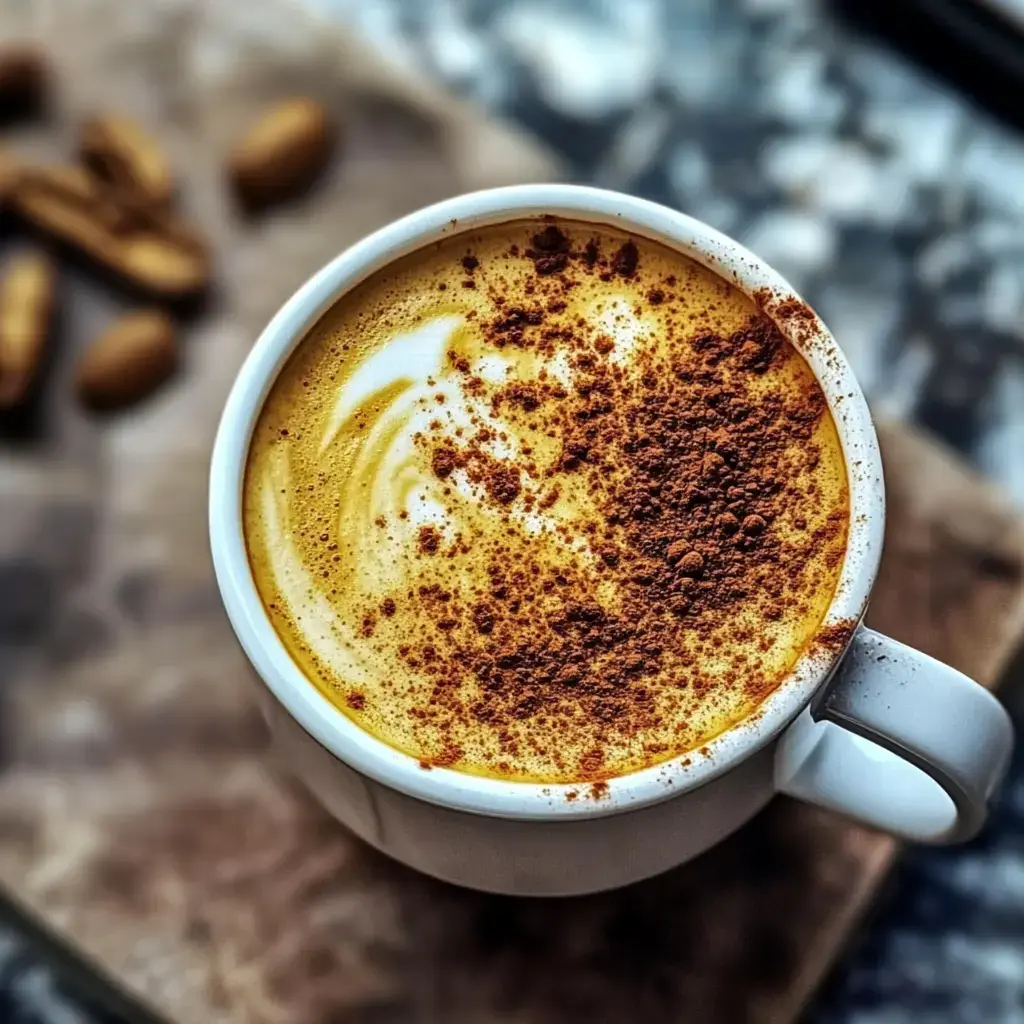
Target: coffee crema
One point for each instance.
(546, 502)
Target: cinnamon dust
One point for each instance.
(690, 464)
(598, 529)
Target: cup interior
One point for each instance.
(370, 756)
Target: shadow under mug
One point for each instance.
(862, 725)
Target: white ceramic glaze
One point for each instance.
(534, 839)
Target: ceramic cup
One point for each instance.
(862, 725)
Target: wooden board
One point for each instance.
(139, 818)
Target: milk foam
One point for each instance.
(396, 481)
(340, 485)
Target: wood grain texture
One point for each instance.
(139, 816)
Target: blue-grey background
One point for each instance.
(895, 204)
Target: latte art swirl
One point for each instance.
(441, 510)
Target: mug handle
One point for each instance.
(899, 742)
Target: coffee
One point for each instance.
(545, 502)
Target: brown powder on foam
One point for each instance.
(690, 469)
(429, 540)
(538, 659)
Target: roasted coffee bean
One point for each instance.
(27, 294)
(128, 361)
(23, 78)
(152, 250)
(282, 153)
(118, 151)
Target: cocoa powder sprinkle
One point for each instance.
(698, 536)
(624, 262)
(689, 463)
(429, 540)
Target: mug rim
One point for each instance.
(462, 791)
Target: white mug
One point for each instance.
(866, 726)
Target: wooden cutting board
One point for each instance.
(139, 817)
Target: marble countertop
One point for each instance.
(897, 208)
(880, 192)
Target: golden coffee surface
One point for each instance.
(546, 502)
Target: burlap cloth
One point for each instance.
(138, 816)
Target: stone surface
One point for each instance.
(139, 817)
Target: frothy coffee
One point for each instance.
(546, 502)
